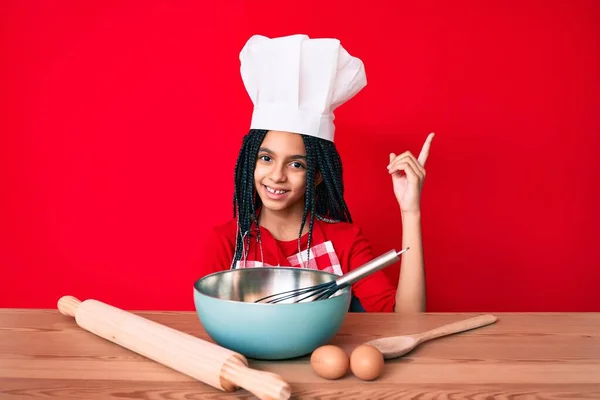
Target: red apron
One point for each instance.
(270, 254)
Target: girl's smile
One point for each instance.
(275, 194)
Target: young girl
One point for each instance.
(289, 191)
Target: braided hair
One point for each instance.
(325, 201)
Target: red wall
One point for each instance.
(121, 121)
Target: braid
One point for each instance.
(309, 201)
(325, 201)
(330, 195)
(245, 202)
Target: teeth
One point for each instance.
(271, 190)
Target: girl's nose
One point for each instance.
(277, 174)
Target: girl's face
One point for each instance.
(280, 173)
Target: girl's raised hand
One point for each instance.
(408, 175)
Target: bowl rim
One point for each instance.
(345, 291)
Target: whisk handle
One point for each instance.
(384, 260)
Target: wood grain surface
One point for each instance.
(44, 354)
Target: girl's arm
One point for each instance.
(408, 175)
(411, 294)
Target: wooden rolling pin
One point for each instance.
(205, 361)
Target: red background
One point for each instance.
(121, 122)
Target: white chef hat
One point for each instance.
(296, 82)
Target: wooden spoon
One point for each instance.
(396, 346)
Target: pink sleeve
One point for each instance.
(376, 292)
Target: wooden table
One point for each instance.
(44, 354)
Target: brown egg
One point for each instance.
(330, 362)
(366, 362)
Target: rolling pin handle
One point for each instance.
(67, 305)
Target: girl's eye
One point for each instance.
(265, 158)
(296, 164)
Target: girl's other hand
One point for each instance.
(408, 175)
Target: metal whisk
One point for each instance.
(327, 289)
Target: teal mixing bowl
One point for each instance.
(225, 305)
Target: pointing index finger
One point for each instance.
(425, 150)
